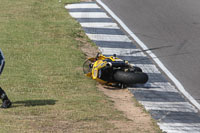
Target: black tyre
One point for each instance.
(130, 77)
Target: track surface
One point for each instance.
(173, 26)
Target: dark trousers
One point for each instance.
(3, 95)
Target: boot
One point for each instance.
(6, 103)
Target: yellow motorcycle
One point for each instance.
(113, 71)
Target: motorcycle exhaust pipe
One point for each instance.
(109, 64)
(117, 64)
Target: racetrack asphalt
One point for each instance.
(173, 26)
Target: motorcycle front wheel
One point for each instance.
(130, 77)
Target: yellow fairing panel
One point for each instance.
(94, 73)
(97, 65)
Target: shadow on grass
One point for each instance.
(28, 103)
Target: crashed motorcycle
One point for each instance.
(113, 71)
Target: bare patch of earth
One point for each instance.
(139, 120)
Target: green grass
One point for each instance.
(43, 75)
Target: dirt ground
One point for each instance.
(124, 101)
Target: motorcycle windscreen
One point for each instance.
(2, 61)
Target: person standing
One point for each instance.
(6, 103)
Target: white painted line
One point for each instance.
(121, 51)
(169, 106)
(181, 124)
(168, 130)
(180, 131)
(158, 89)
(89, 5)
(180, 127)
(153, 56)
(88, 15)
(157, 86)
(100, 25)
(148, 68)
(105, 37)
(163, 85)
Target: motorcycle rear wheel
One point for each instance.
(130, 77)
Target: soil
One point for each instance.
(124, 101)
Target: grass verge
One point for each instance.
(43, 73)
